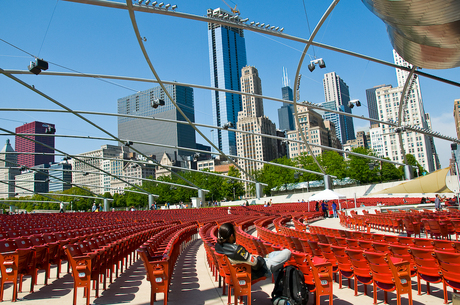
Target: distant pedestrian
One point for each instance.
(437, 203)
(61, 207)
(334, 209)
(94, 208)
(317, 206)
(325, 209)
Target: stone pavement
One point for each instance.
(192, 284)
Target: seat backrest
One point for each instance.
(365, 245)
(404, 240)
(23, 242)
(7, 245)
(423, 243)
(443, 245)
(425, 261)
(314, 248)
(360, 264)
(343, 260)
(378, 262)
(449, 264)
(352, 243)
(391, 239)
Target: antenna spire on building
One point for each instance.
(285, 78)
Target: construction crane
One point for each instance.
(234, 10)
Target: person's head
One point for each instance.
(226, 234)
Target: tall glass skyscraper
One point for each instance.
(227, 56)
(286, 112)
(335, 89)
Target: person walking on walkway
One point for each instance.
(437, 203)
(325, 208)
(334, 209)
(237, 254)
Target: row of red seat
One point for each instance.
(429, 259)
(435, 224)
(159, 255)
(26, 255)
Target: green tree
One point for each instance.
(307, 162)
(276, 176)
(415, 165)
(389, 172)
(362, 169)
(232, 188)
(333, 164)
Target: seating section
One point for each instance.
(101, 246)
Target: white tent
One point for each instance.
(327, 195)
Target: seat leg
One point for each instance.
(375, 294)
(446, 300)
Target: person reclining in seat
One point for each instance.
(237, 254)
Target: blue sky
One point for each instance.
(99, 40)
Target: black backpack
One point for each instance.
(290, 288)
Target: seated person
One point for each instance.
(239, 255)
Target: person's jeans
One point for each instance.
(276, 260)
(335, 214)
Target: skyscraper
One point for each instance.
(252, 119)
(23, 145)
(227, 56)
(384, 140)
(286, 112)
(336, 90)
(158, 132)
(457, 117)
(8, 170)
(372, 102)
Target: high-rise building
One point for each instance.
(286, 112)
(252, 119)
(34, 180)
(60, 177)
(457, 117)
(436, 162)
(158, 132)
(384, 140)
(227, 56)
(337, 91)
(109, 158)
(23, 145)
(362, 140)
(315, 131)
(131, 172)
(8, 170)
(372, 102)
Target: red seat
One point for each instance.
(389, 274)
(55, 252)
(402, 252)
(330, 257)
(343, 263)
(84, 269)
(361, 270)
(449, 264)
(427, 267)
(411, 227)
(423, 243)
(14, 264)
(41, 255)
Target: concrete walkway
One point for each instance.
(193, 284)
